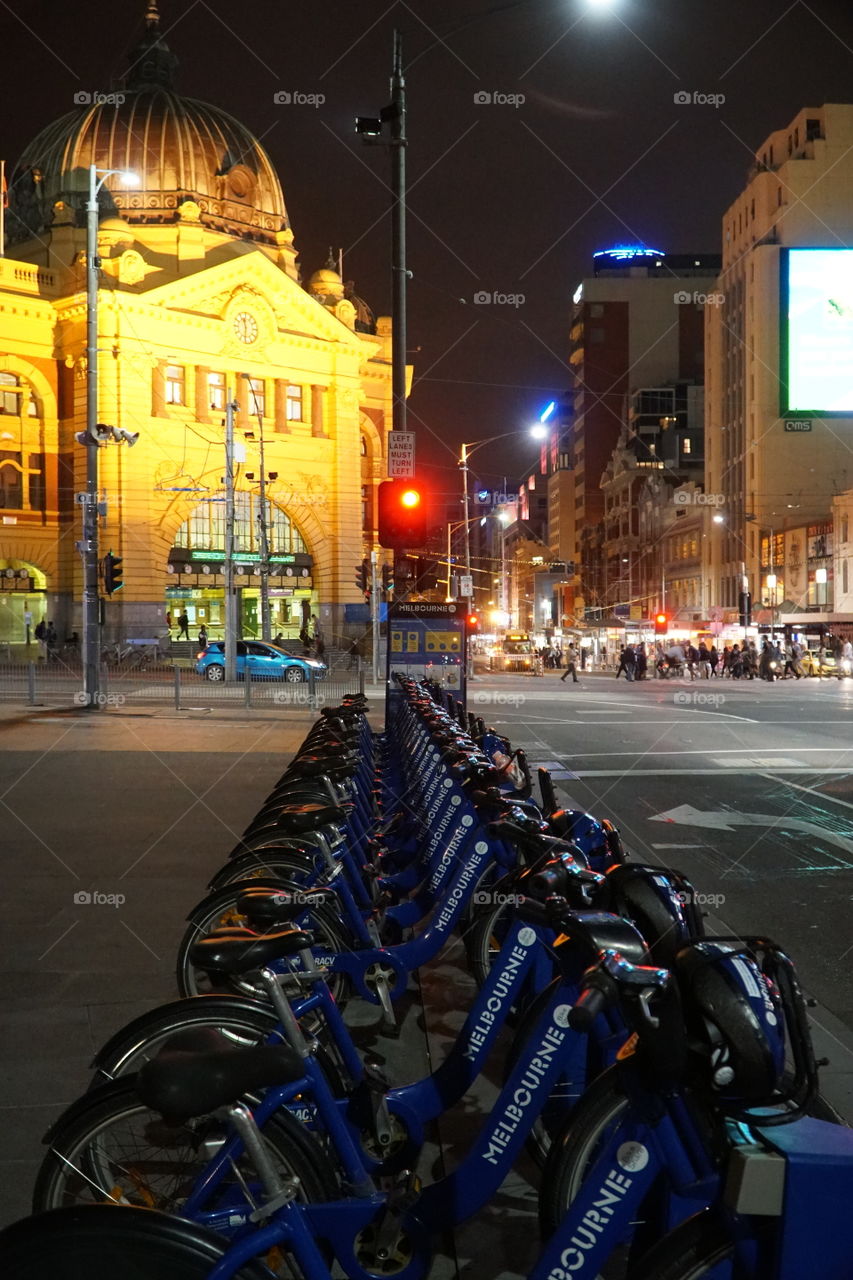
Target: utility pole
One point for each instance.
(91, 618)
(399, 275)
(375, 587)
(263, 530)
(230, 596)
(463, 463)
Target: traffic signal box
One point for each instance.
(113, 579)
(661, 624)
(401, 515)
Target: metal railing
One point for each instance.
(59, 683)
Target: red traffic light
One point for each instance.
(473, 620)
(401, 515)
(661, 624)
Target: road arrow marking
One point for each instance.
(724, 820)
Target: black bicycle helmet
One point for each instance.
(662, 905)
(735, 1010)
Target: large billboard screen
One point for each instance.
(817, 331)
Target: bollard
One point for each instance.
(247, 686)
(177, 674)
(312, 689)
(360, 678)
(31, 683)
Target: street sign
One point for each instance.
(401, 454)
(466, 585)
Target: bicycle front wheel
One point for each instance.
(220, 909)
(115, 1150)
(699, 1249)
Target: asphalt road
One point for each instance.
(745, 786)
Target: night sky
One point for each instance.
(504, 198)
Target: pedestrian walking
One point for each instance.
(692, 656)
(169, 620)
(183, 625)
(703, 660)
(319, 646)
(714, 659)
(641, 664)
(792, 662)
(571, 668)
(584, 655)
(627, 662)
(41, 637)
(51, 640)
(202, 637)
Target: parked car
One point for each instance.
(263, 661)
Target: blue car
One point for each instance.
(263, 661)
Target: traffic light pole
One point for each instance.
(375, 586)
(399, 275)
(89, 501)
(230, 597)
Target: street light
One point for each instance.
(89, 500)
(463, 464)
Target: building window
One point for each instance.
(844, 528)
(216, 390)
(294, 404)
(257, 397)
(10, 396)
(36, 481)
(364, 446)
(205, 529)
(175, 384)
(11, 481)
(686, 445)
(596, 310)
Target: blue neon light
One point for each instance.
(623, 251)
(547, 411)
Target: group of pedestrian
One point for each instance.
(48, 641)
(634, 661)
(775, 660)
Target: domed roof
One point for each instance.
(326, 284)
(180, 149)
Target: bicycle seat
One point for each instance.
(266, 909)
(318, 767)
(200, 1070)
(298, 818)
(242, 953)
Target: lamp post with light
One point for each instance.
(89, 499)
(538, 432)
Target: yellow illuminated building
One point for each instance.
(200, 299)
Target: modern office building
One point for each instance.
(637, 321)
(779, 353)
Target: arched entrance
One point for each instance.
(23, 601)
(196, 570)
